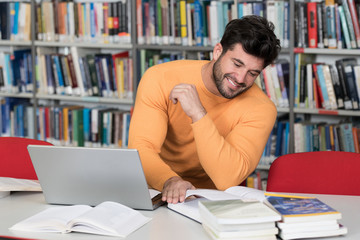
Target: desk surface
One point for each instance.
(165, 224)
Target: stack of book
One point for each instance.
(305, 217)
(238, 219)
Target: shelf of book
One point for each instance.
(95, 45)
(17, 95)
(327, 112)
(14, 43)
(87, 99)
(174, 47)
(327, 51)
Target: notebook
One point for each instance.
(80, 175)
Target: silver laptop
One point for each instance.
(79, 175)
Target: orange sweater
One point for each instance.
(218, 151)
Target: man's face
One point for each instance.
(235, 71)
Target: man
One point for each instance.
(204, 124)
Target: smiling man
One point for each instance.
(204, 124)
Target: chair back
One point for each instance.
(15, 160)
(323, 172)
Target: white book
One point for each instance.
(214, 28)
(189, 25)
(329, 87)
(275, 80)
(80, 81)
(242, 234)
(8, 184)
(236, 211)
(314, 234)
(189, 207)
(108, 92)
(312, 224)
(312, 227)
(309, 82)
(269, 85)
(71, 22)
(107, 218)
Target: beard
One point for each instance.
(220, 78)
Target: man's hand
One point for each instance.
(189, 99)
(174, 190)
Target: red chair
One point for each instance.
(15, 161)
(316, 172)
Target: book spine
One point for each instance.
(345, 28)
(355, 21)
(312, 24)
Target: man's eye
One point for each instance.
(253, 74)
(237, 65)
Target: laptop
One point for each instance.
(80, 175)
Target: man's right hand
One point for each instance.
(174, 190)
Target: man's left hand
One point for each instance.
(189, 99)
(174, 190)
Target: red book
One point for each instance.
(312, 24)
(47, 123)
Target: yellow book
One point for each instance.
(120, 77)
(183, 19)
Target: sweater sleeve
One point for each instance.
(148, 130)
(228, 160)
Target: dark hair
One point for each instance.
(255, 34)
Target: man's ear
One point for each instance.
(217, 51)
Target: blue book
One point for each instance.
(220, 14)
(258, 8)
(126, 125)
(17, 64)
(15, 26)
(9, 72)
(347, 137)
(198, 23)
(327, 138)
(321, 77)
(59, 74)
(286, 24)
(285, 142)
(49, 75)
(297, 80)
(279, 137)
(86, 82)
(240, 10)
(226, 7)
(301, 209)
(87, 126)
(92, 21)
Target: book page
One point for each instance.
(246, 193)
(211, 194)
(109, 218)
(52, 219)
(190, 207)
(153, 193)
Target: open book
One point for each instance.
(190, 207)
(107, 218)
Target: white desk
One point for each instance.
(165, 224)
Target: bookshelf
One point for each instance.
(135, 47)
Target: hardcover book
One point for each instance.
(301, 209)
